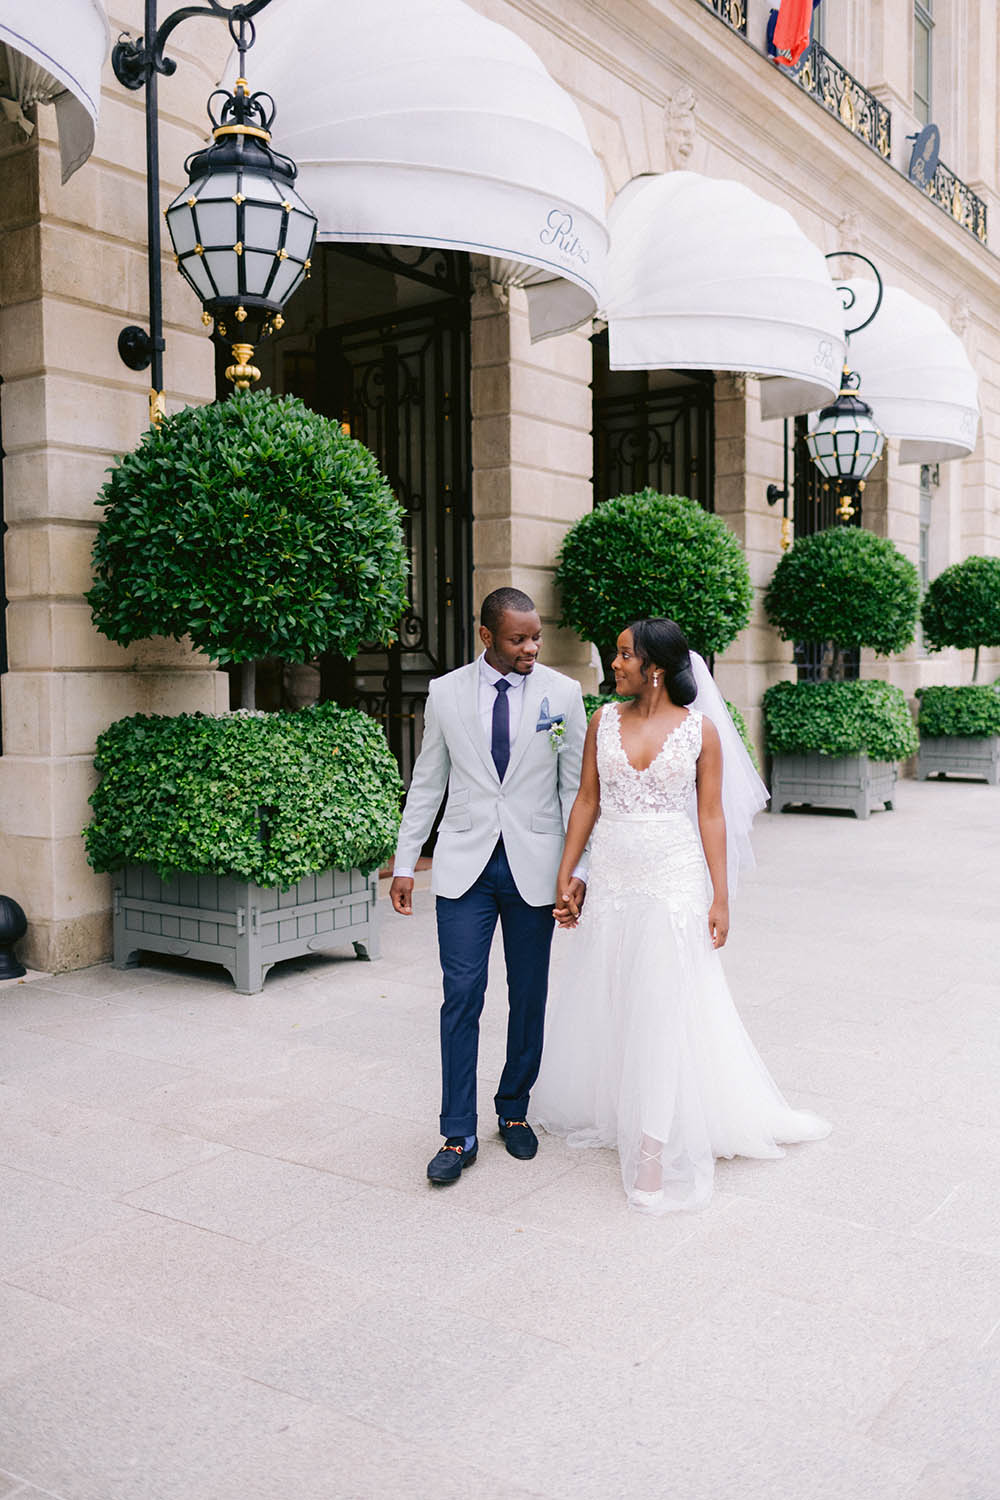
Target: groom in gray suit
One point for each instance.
(504, 737)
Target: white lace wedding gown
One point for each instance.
(644, 1049)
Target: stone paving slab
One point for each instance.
(224, 1276)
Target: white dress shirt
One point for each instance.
(488, 678)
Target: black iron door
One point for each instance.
(815, 502)
(652, 427)
(401, 383)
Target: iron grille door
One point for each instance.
(402, 384)
(654, 428)
(816, 510)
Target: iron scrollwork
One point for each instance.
(841, 93)
(956, 198)
(733, 12)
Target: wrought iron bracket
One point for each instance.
(134, 60)
(848, 296)
(136, 347)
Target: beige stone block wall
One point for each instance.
(532, 459)
(72, 273)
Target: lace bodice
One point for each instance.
(666, 784)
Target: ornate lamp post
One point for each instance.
(845, 444)
(242, 236)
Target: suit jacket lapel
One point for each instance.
(468, 708)
(534, 692)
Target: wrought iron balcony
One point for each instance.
(841, 93)
(733, 12)
(956, 198)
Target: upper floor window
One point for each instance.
(923, 27)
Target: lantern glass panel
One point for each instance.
(299, 235)
(219, 185)
(217, 222)
(284, 279)
(193, 268)
(262, 226)
(263, 189)
(180, 222)
(225, 268)
(256, 270)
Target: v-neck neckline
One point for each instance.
(666, 742)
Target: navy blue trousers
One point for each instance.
(465, 934)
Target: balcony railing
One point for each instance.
(841, 93)
(956, 198)
(733, 12)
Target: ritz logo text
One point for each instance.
(558, 233)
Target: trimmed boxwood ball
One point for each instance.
(264, 797)
(968, 712)
(847, 586)
(254, 526)
(650, 554)
(962, 607)
(839, 718)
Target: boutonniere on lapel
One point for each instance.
(552, 724)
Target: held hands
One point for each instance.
(718, 922)
(570, 896)
(401, 895)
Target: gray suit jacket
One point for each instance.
(530, 808)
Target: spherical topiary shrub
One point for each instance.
(847, 586)
(962, 607)
(254, 526)
(650, 554)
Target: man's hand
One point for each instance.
(401, 895)
(718, 923)
(569, 902)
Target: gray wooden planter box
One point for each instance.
(832, 781)
(961, 755)
(244, 927)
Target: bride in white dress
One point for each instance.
(644, 1049)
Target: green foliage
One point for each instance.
(593, 701)
(963, 711)
(254, 526)
(650, 554)
(839, 718)
(848, 586)
(962, 606)
(262, 797)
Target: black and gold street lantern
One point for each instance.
(242, 236)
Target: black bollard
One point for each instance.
(13, 926)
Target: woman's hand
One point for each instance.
(718, 923)
(570, 896)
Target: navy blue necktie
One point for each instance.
(500, 738)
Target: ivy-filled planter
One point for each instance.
(959, 732)
(836, 744)
(244, 839)
(242, 926)
(814, 780)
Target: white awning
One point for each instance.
(427, 124)
(52, 52)
(915, 375)
(704, 274)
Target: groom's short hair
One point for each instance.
(496, 605)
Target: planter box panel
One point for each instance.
(960, 755)
(240, 925)
(816, 780)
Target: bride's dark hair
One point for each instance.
(661, 643)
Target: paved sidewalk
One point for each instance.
(223, 1275)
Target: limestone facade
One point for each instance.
(662, 84)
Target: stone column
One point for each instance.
(532, 458)
(74, 272)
